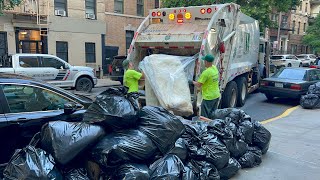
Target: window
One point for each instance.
(29, 61)
(304, 27)
(306, 7)
(90, 52)
(3, 44)
(293, 26)
(129, 37)
(60, 5)
(300, 7)
(156, 4)
(53, 63)
(296, 74)
(284, 22)
(298, 28)
(22, 98)
(91, 8)
(118, 6)
(62, 50)
(314, 75)
(275, 18)
(140, 10)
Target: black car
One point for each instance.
(289, 82)
(27, 104)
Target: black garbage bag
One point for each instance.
(251, 158)
(245, 131)
(122, 147)
(180, 149)
(230, 170)
(32, 163)
(217, 152)
(261, 137)
(208, 171)
(162, 127)
(76, 174)
(65, 140)
(238, 148)
(113, 109)
(236, 115)
(132, 172)
(197, 153)
(168, 167)
(189, 174)
(314, 89)
(310, 101)
(221, 128)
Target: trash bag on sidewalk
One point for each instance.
(32, 163)
(65, 140)
(132, 172)
(217, 152)
(230, 170)
(238, 148)
(208, 171)
(251, 158)
(310, 101)
(122, 147)
(76, 174)
(180, 149)
(162, 127)
(314, 89)
(168, 167)
(245, 131)
(261, 137)
(113, 109)
(236, 115)
(189, 174)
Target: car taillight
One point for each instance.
(264, 83)
(295, 87)
(312, 66)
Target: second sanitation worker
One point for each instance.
(131, 76)
(209, 83)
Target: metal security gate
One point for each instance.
(3, 44)
(110, 52)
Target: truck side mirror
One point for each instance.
(66, 66)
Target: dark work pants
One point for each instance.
(208, 106)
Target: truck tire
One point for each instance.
(230, 95)
(242, 91)
(84, 84)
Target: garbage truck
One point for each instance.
(218, 29)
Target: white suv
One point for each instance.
(307, 59)
(286, 60)
(51, 69)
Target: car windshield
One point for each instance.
(301, 56)
(276, 57)
(294, 74)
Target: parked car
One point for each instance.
(27, 104)
(289, 82)
(117, 69)
(286, 60)
(307, 59)
(51, 69)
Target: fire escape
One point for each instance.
(38, 9)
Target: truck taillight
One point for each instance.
(154, 14)
(203, 10)
(187, 15)
(171, 16)
(180, 18)
(159, 13)
(209, 10)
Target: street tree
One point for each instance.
(8, 4)
(258, 9)
(312, 37)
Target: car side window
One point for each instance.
(29, 61)
(52, 62)
(22, 98)
(317, 74)
(288, 57)
(314, 75)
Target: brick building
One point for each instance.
(73, 30)
(123, 18)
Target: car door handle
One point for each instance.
(22, 119)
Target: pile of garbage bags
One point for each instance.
(119, 140)
(312, 99)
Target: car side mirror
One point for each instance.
(70, 107)
(66, 66)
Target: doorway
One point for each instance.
(30, 41)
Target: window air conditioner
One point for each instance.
(90, 16)
(58, 12)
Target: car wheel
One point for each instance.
(269, 97)
(229, 96)
(289, 65)
(84, 84)
(242, 91)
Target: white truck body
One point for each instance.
(221, 29)
(48, 68)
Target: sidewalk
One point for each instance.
(294, 152)
(106, 82)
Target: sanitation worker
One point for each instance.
(131, 76)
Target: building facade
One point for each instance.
(72, 30)
(123, 18)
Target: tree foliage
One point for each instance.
(258, 9)
(312, 38)
(8, 4)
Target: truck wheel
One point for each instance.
(229, 96)
(242, 91)
(84, 84)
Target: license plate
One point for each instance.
(279, 85)
(117, 69)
